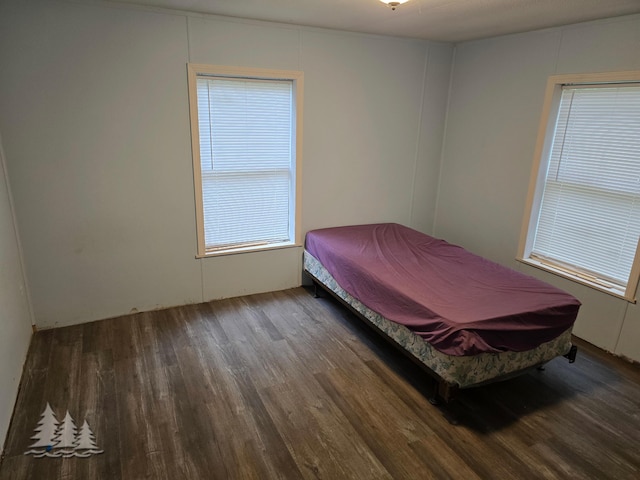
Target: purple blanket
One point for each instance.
(460, 303)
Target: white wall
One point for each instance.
(15, 316)
(496, 99)
(94, 115)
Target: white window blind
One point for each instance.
(247, 162)
(589, 217)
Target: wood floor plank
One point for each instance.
(261, 425)
(235, 406)
(443, 463)
(379, 425)
(283, 385)
(320, 438)
(97, 405)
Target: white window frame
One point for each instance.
(538, 177)
(297, 79)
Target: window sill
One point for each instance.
(257, 248)
(609, 289)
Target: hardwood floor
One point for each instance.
(283, 385)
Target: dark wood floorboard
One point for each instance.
(286, 386)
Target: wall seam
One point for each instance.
(16, 234)
(186, 21)
(624, 318)
(557, 59)
(444, 140)
(300, 48)
(419, 135)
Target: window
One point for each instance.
(584, 205)
(246, 128)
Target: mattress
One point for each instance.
(458, 302)
(458, 371)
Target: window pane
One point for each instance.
(246, 150)
(590, 212)
(243, 208)
(597, 138)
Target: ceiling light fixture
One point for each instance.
(394, 3)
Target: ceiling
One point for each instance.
(441, 20)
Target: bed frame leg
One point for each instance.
(434, 398)
(315, 290)
(443, 393)
(572, 354)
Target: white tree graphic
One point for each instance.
(46, 430)
(55, 439)
(86, 441)
(66, 437)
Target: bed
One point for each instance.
(465, 320)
